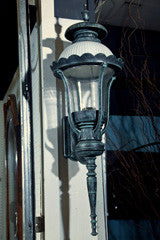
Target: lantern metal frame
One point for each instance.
(82, 130)
(87, 59)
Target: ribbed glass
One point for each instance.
(82, 84)
(83, 87)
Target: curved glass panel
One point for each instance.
(83, 87)
(82, 84)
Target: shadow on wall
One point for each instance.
(54, 95)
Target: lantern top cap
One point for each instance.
(100, 30)
(86, 47)
(95, 29)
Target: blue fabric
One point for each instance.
(129, 132)
(134, 230)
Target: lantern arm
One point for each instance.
(102, 119)
(108, 106)
(70, 118)
(100, 114)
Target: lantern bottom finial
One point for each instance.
(92, 191)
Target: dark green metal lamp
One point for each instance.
(87, 69)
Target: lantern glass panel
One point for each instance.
(83, 86)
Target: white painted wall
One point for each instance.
(37, 128)
(66, 199)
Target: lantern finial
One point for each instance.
(85, 13)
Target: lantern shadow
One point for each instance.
(54, 135)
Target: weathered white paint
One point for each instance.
(14, 89)
(66, 198)
(37, 128)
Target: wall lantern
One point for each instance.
(87, 69)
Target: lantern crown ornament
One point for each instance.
(87, 69)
